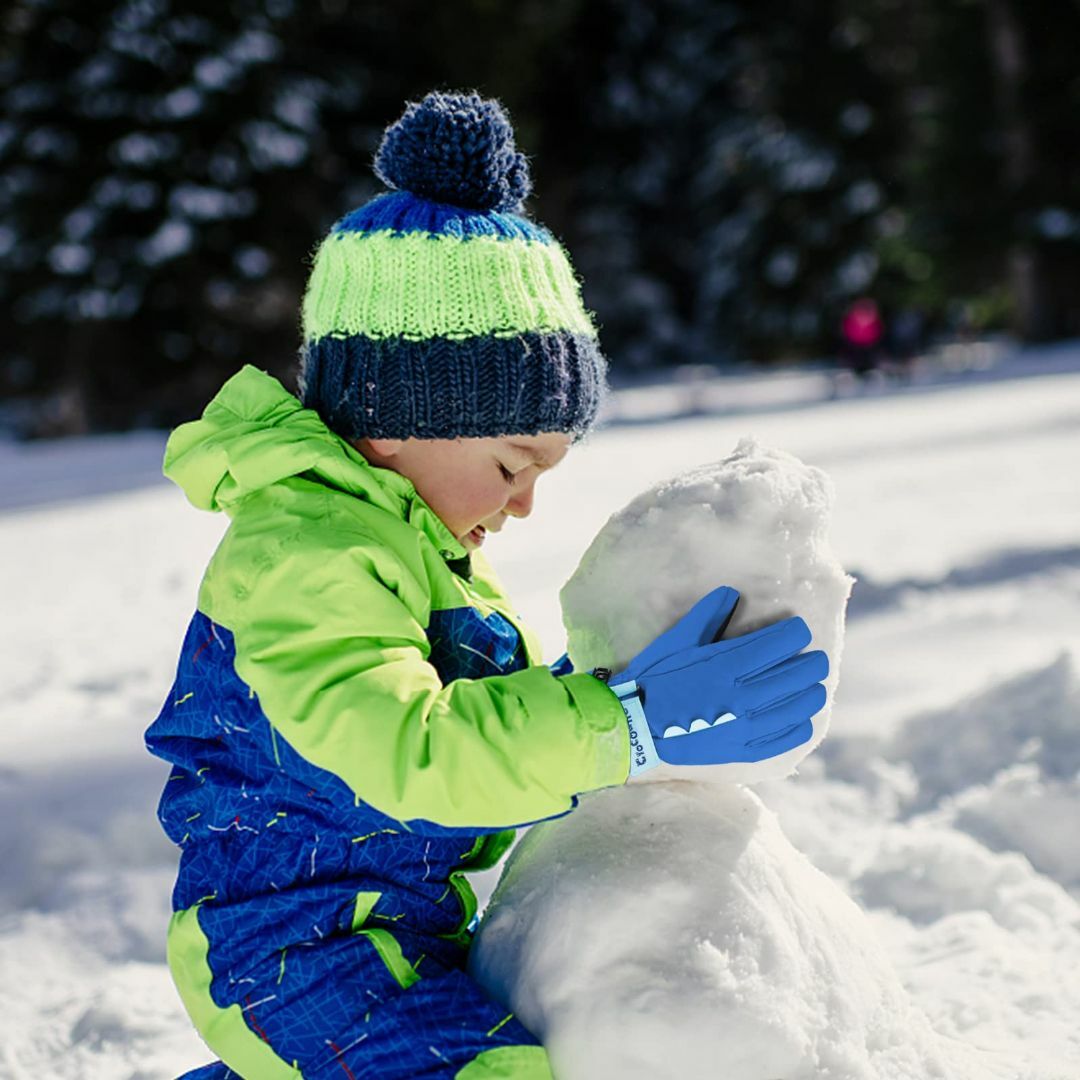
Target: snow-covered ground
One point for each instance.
(946, 799)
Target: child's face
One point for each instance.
(474, 485)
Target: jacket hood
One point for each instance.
(254, 433)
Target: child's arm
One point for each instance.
(339, 662)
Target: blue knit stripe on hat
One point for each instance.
(401, 212)
(444, 389)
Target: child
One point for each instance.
(358, 715)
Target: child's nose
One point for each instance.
(521, 503)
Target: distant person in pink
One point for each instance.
(862, 330)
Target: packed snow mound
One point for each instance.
(1011, 777)
(1023, 810)
(1031, 717)
(928, 871)
(757, 521)
(671, 929)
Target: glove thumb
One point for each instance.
(708, 618)
(702, 624)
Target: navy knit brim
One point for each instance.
(440, 388)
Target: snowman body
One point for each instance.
(668, 928)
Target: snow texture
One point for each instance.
(663, 929)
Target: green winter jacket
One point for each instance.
(328, 577)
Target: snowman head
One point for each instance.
(757, 521)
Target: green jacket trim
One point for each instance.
(508, 1063)
(225, 1030)
(386, 945)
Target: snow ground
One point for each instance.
(946, 799)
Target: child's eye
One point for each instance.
(507, 475)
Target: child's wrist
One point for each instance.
(643, 755)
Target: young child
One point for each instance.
(358, 716)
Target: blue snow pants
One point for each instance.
(312, 935)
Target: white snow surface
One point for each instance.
(944, 802)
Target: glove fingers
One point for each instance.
(713, 746)
(787, 678)
(738, 659)
(780, 742)
(755, 653)
(702, 624)
(793, 709)
(730, 743)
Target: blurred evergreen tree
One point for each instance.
(737, 163)
(165, 169)
(988, 225)
(158, 162)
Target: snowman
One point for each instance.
(668, 928)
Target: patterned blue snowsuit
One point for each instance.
(309, 878)
(317, 933)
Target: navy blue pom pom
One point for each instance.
(456, 149)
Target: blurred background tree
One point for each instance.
(738, 161)
(727, 176)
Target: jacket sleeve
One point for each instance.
(339, 663)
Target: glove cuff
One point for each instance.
(643, 755)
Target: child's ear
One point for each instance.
(378, 451)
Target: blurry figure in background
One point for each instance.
(862, 330)
(906, 338)
(960, 322)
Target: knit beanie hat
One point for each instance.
(438, 310)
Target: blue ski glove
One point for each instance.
(692, 700)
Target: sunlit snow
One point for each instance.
(956, 509)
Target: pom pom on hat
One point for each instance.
(456, 149)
